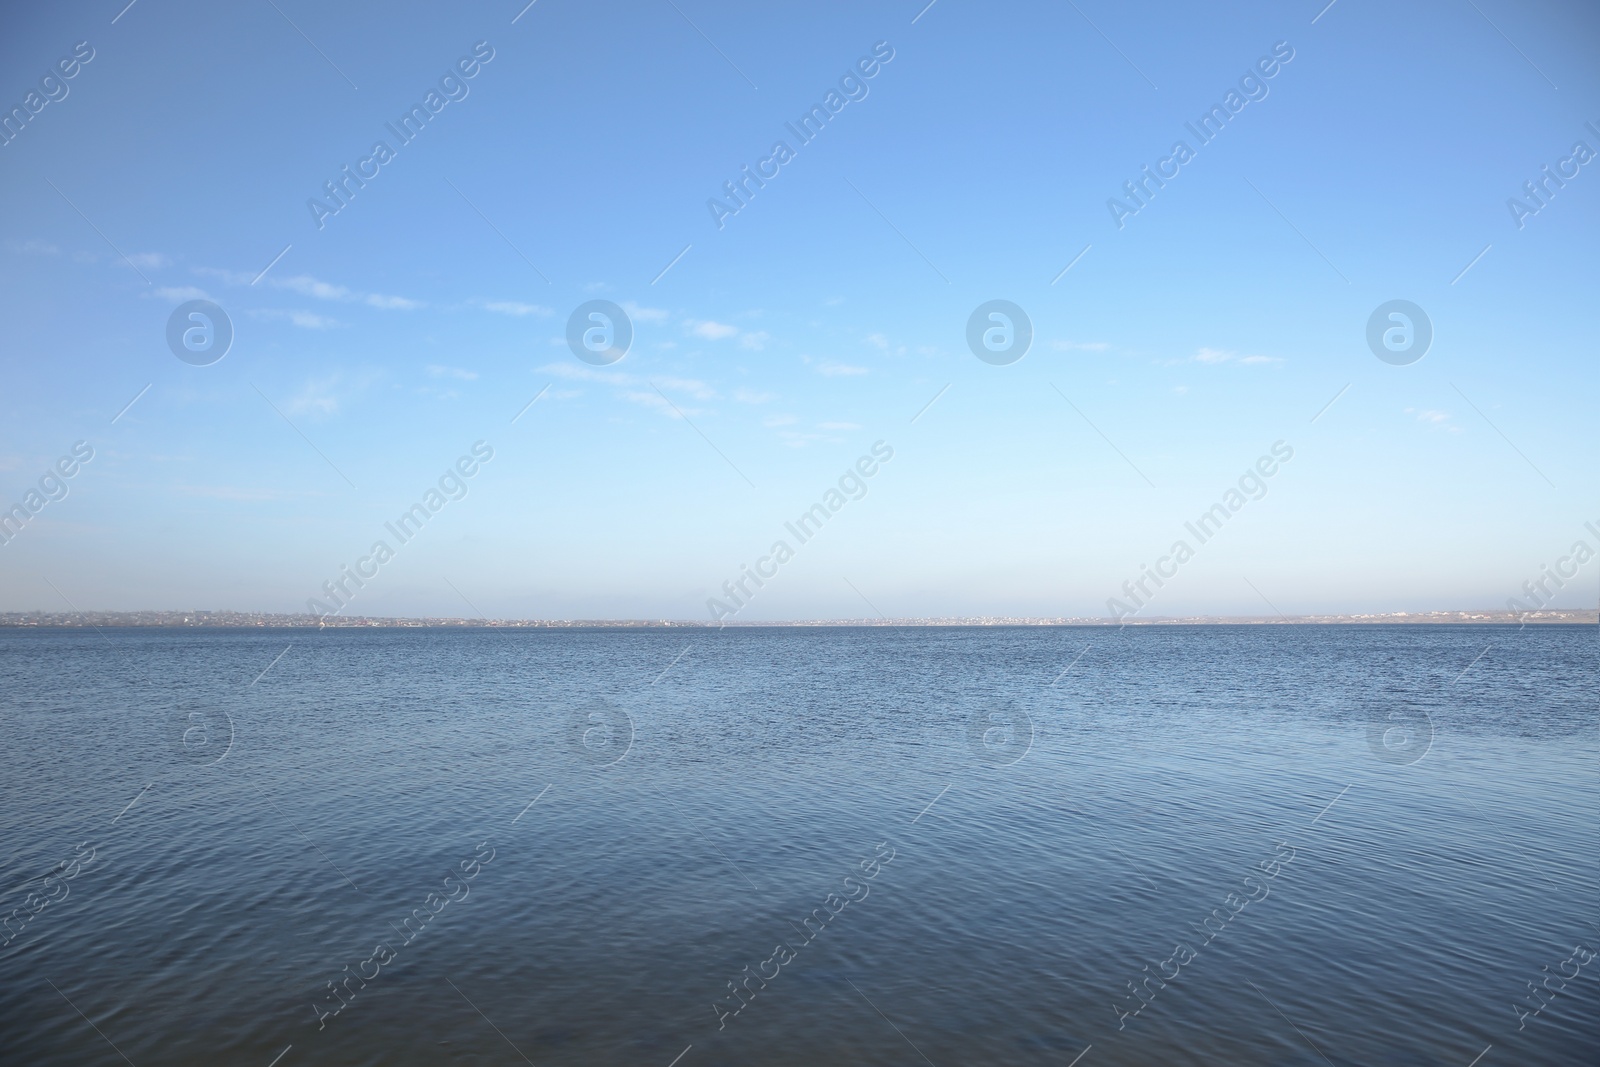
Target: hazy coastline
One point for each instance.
(277, 620)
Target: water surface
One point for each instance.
(1391, 829)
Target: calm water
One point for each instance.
(1019, 853)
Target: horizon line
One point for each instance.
(229, 619)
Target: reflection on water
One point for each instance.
(1242, 845)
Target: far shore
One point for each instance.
(234, 620)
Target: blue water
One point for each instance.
(1406, 824)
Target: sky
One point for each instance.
(785, 341)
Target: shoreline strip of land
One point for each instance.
(237, 620)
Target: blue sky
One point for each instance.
(821, 318)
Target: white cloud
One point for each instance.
(838, 426)
(227, 492)
(229, 276)
(797, 439)
(514, 307)
(316, 398)
(306, 285)
(1217, 355)
(838, 370)
(439, 371)
(311, 321)
(150, 260)
(779, 420)
(750, 396)
(697, 389)
(649, 400)
(392, 303)
(306, 320)
(711, 331)
(660, 403)
(692, 386)
(644, 314)
(588, 374)
(878, 339)
(179, 293)
(756, 341)
(1430, 416)
(33, 248)
(1079, 346)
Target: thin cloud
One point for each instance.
(316, 397)
(306, 320)
(392, 303)
(1439, 420)
(227, 492)
(839, 370)
(797, 439)
(1218, 355)
(231, 277)
(695, 388)
(644, 314)
(514, 307)
(306, 285)
(588, 374)
(657, 402)
(692, 386)
(179, 293)
(317, 289)
(310, 320)
(439, 371)
(148, 260)
(711, 331)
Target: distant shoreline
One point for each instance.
(249, 620)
